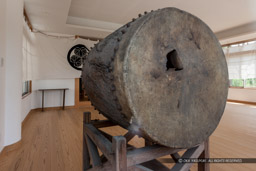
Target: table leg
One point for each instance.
(42, 100)
(64, 92)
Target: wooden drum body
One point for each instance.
(163, 74)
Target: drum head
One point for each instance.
(175, 77)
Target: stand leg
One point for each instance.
(205, 154)
(175, 157)
(86, 156)
(42, 100)
(64, 93)
(119, 147)
(93, 152)
(142, 159)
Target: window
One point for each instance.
(250, 82)
(241, 60)
(236, 83)
(26, 88)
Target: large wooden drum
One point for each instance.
(164, 74)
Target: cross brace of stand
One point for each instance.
(118, 155)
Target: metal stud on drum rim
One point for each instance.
(168, 75)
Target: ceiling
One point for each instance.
(98, 18)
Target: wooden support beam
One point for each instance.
(109, 137)
(101, 142)
(129, 135)
(141, 155)
(94, 153)
(103, 123)
(139, 167)
(148, 143)
(204, 154)
(175, 157)
(117, 158)
(119, 148)
(190, 153)
(105, 167)
(155, 165)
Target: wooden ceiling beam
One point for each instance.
(89, 38)
(239, 42)
(27, 20)
(76, 36)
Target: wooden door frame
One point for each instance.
(77, 101)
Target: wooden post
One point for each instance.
(42, 100)
(93, 152)
(86, 156)
(128, 136)
(204, 154)
(175, 157)
(119, 149)
(64, 93)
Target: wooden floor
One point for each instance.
(52, 140)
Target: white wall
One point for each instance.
(2, 71)
(13, 70)
(10, 71)
(26, 106)
(248, 95)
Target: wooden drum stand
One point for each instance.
(118, 155)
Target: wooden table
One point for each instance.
(64, 91)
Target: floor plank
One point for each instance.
(52, 140)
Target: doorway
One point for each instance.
(81, 97)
